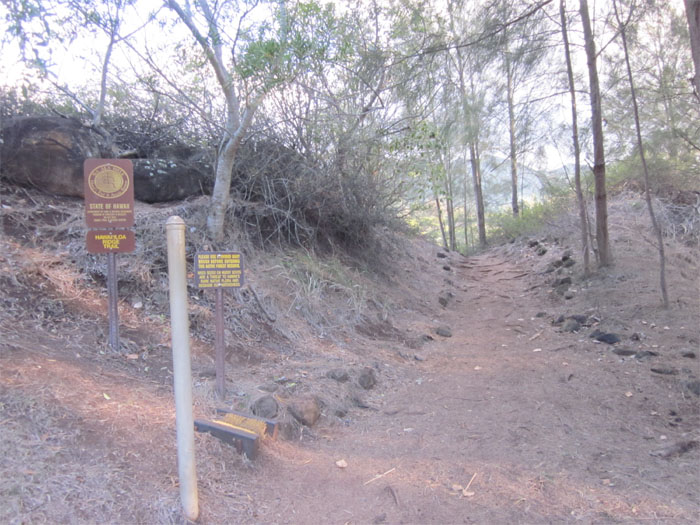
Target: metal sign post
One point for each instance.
(219, 270)
(182, 369)
(109, 212)
(112, 301)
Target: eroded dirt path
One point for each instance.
(507, 421)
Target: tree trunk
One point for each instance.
(224, 171)
(601, 199)
(450, 213)
(466, 215)
(640, 145)
(100, 109)
(583, 217)
(692, 12)
(439, 213)
(478, 195)
(511, 135)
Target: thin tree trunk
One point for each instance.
(478, 195)
(640, 145)
(692, 12)
(466, 214)
(511, 135)
(442, 224)
(583, 218)
(601, 198)
(221, 193)
(99, 111)
(451, 213)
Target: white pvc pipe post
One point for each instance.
(182, 374)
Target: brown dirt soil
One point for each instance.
(508, 420)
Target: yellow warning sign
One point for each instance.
(218, 270)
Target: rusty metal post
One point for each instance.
(182, 373)
(220, 349)
(112, 301)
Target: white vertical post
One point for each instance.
(182, 374)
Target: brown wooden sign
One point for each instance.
(109, 193)
(218, 270)
(110, 241)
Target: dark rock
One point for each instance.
(160, 180)
(689, 355)
(569, 295)
(419, 357)
(380, 519)
(444, 298)
(569, 263)
(604, 337)
(645, 353)
(367, 378)
(566, 255)
(556, 263)
(441, 255)
(564, 280)
(562, 289)
(676, 449)
(339, 374)
(265, 406)
(581, 319)
(550, 268)
(447, 268)
(48, 153)
(541, 251)
(306, 410)
(360, 403)
(443, 331)
(427, 337)
(571, 325)
(694, 386)
(532, 243)
(624, 352)
(559, 320)
(635, 337)
(541, 314)
(665, 371)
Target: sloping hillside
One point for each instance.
(449, 389)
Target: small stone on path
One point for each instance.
(339, 374)
(624, 352)
(604, 337)
(571, 325)
(306, 410)
(367, 378)
(265, 406)
(443, 331)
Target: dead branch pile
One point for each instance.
(281, 197)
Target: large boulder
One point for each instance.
(162, 180)
(47, 152)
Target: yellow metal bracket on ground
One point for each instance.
(243, 423)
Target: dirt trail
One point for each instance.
(507, 421)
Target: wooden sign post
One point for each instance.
(219, 270)
(109, 213)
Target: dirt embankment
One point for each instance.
(489, 401)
